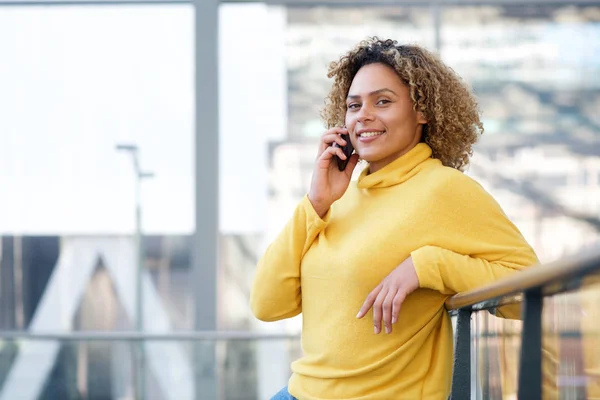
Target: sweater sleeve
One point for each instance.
(276, 291)
(478, 244)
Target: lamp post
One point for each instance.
(139, 316)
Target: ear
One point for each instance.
(421, 118)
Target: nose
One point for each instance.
(365, 114)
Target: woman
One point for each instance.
(392, 246)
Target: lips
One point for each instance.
(367, 134)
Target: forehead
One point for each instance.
(375, 77)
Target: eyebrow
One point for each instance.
(354, 96)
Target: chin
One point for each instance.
(369, 157)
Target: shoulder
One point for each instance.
(441, 177)
(449, 185)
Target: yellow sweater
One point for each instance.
(459, 239)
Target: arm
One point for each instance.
(276, 291)
(481, 245)
(450, 273)
(472, 244)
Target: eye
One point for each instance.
(353, 106)
(383, 101)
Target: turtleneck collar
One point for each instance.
(398, 171)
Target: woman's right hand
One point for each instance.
(329, 183)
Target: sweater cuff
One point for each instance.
(312, 218)
(426, 265)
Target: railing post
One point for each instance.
(461, 377)
(530, 365)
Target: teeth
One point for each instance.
(369, 134)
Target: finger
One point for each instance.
(338, 130)
(330, 152)
(329, 141)
(368, 302)
(387, 311)
(396, 304)
(331, 136)
(377, 310)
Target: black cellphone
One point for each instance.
(348, 149)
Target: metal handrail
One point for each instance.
(144, 336)
(557, 273)
(529, 287)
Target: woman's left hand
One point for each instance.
(388, 296)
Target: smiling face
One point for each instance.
(380, 117)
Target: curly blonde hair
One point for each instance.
(451, 111)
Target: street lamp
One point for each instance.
(139, 316)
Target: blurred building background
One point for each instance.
(79, 77)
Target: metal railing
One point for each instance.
(143, 336)
(195, 359)
(528, 288)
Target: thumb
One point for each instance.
(352, 162)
